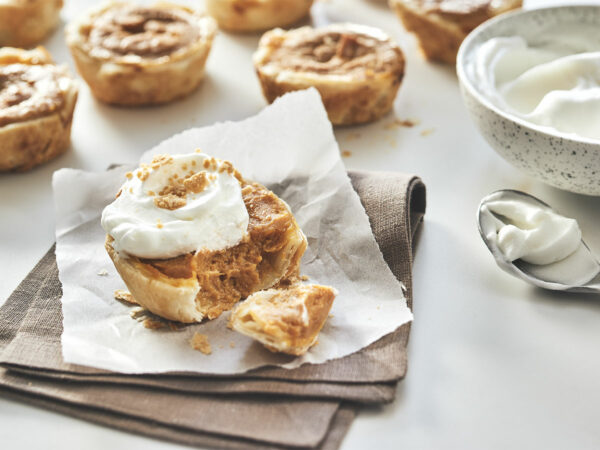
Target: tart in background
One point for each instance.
(24, 23)
(442, 25)
(356, 69)
(37, 99)
(257, 15)
(133, 55)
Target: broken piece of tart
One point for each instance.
(24, 23)
(136, 55)
(253, 15)
(37, 99)
(356, 69)
(442, 25)
(191, 237)
(285, 320)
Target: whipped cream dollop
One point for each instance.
(553, 83)
(535, 235)
(540, 241)
(177, 205)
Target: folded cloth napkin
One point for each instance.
(308, 407)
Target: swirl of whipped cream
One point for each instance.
(177, 205)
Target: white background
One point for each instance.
(493, 362)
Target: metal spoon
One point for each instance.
(557, 276)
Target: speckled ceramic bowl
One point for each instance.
(561, 160)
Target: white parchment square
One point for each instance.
(289, 147)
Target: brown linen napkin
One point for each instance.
(30, 328)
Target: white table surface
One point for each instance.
(493, 363)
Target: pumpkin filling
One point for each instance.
(334, 52)
(145, 32)
(226, 276)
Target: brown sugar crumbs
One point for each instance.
(173, 195)
(346, 153)
(170, 202)
(196, 183)
(200, 342)
(160, 160)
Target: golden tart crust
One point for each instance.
(37, 99)
(285, 320)
(132, 55)
(442, 25)
(356, 69)
(24, 23)
(257, 15)
(196, 286)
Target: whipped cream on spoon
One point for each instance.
(531, 241)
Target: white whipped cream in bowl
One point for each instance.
(531, 83)
(177, 205)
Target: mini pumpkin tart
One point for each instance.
(24, 23)
(190, 237)
(134, 55)
(37, 99)
(285, 320)
(442, 25)
(356, 69)
(257, 15)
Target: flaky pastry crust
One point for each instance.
(24, 23)
(132, 55)
(356, 69)
(35, 119)
(285, 320)
(442, 25)
(257, 15)
(200, 285)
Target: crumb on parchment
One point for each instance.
(397, 123)
(153, 324)
(124, 296)
(200, 342)
(352, 136)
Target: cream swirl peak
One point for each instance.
(177, 205)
